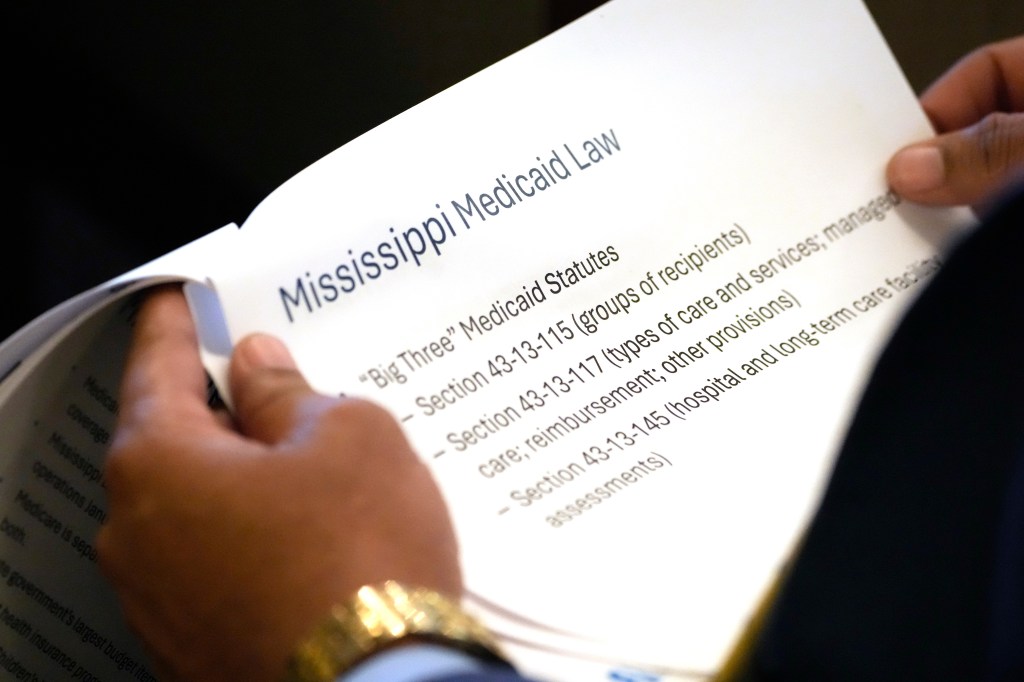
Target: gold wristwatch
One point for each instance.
(377, 617)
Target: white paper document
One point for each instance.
(621, 289)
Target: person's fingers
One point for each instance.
(162, 393)
(966, 167)
(271, 396)
(163, 376)
(988, 80)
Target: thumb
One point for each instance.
(271, 397)
(964, 167)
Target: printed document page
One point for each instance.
(59, 619)
(621, 289)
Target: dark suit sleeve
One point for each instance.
(912, 567)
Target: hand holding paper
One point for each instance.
(254, 530)
(978, 109)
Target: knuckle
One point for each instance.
(1000, 142)
(117, 463)
(361, 408)
(356, 410)
(365, 423)
(130, 454)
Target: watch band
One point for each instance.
(377, 617)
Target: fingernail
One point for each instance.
(917, 169)
(264, 350)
